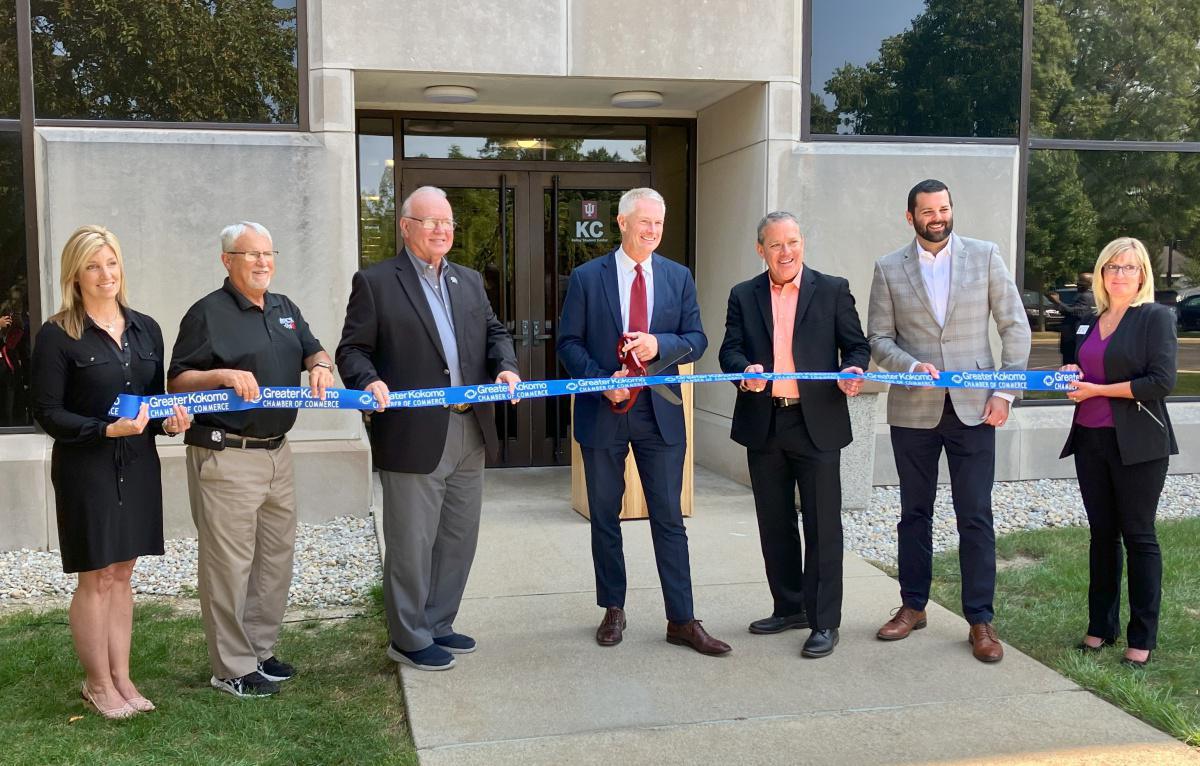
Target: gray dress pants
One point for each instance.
(430, 530)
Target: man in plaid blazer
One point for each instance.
(930, 304)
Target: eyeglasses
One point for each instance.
(1121, 268)
(429, 224)
(254, 255)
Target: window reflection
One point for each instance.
(1105, 70)
(376, 191)
(184, 61)
(916, 67)
(1079, 201)
(10, 99)
(14, 305)
(470, 140)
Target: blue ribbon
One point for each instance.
(293, 397)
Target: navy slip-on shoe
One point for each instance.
(456, 643)
(432, 657)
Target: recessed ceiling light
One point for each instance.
(637, 99)
(451, 94)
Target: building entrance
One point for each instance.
(525, 231)
(532, 200)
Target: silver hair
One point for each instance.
(630, 198)
(406, 206)
(231, 233)
(775, 217)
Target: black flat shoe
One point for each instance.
(820, 643)
(1087, 648)
(768, 625)
(1136, 664)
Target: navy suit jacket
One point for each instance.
(591, 326)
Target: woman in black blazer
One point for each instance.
(1121, 438)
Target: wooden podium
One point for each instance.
(633, 506)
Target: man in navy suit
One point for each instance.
(643, 304)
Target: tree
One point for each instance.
(174, 61)
(956, 71)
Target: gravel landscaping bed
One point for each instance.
(1016, 505)
(337, 563)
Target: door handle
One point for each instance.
(526, 335)
(537, 336)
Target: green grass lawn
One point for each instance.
(1186, 384)
(343, 707)
(1041, 608)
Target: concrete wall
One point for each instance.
(688, 39)
(167, 194)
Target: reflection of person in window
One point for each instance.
(14, 353)
(1079, 312)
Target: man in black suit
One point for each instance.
(419, 321)
(794, 318)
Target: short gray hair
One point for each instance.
(231, 233)
(775, 217)
(630, 199)
(406, 206)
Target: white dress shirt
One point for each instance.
(625, 277)
(935, 272)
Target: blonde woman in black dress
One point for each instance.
(105, 470)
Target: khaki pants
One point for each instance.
(244, 506)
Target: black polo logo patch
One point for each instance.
(288, 322)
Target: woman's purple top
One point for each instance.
(1097, 411)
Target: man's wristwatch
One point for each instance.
(326, 365)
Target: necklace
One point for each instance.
(110, 326)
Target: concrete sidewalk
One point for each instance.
(540, 691)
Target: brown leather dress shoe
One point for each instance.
(985, 644)
(905, 621)
(693, 634)
(612, 627)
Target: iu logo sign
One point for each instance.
(589, 209)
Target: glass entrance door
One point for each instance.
(525, 231)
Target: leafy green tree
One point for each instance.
(1060, 222)
(956, 71)
(1110, 69)
(10, 95)
(168, 60)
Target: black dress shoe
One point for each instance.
(820, 643)
(774, 624)
(1136, 664)
(1087, 648)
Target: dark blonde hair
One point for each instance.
(82, 245)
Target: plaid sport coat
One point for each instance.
(902, 330)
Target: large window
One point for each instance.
(14, 290)
(223, 61)
(376, 190)
(947, 68)
(1116, 69)
(1079, 201)
(523, 141)
(10, 101)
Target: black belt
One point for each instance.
(251, 442)
(783, 401)
(461, 409)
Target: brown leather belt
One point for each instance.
(461, 409)
(783, 401)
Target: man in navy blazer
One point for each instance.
(643, 304)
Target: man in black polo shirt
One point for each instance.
(240, 468)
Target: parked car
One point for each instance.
(1038, 307)
(1170, 299)
(1188, 313)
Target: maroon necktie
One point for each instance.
(638, 321)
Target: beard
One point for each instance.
(934, 236)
